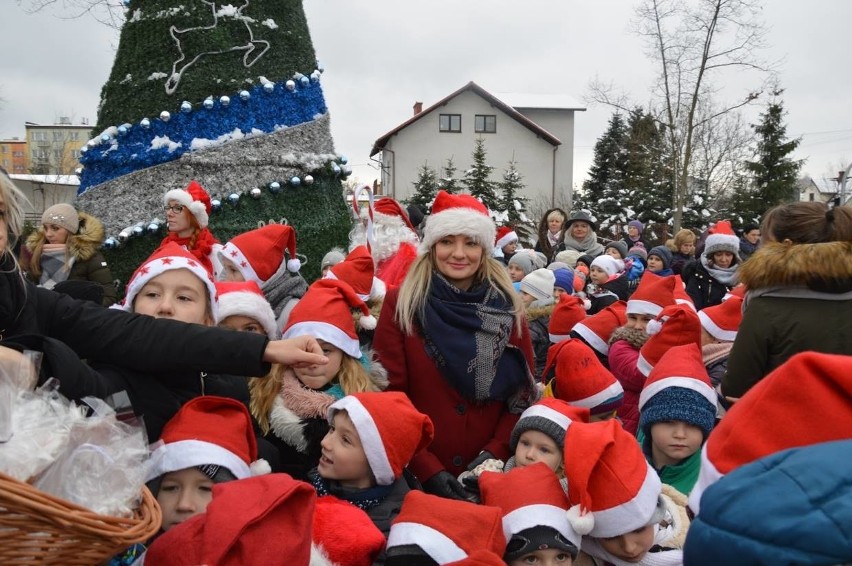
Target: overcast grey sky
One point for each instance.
(382, 56)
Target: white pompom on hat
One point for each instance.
(195, 198)
(458, 215)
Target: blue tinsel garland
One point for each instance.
(264, 111)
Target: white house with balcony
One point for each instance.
(537, 131)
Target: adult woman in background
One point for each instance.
(453, 338)
(66, 248)
(799, 292)
(550, 233)
(580, 235)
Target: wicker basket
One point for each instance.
(37, 528)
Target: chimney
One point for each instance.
(418, 108)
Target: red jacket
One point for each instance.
(462, 428)
(622, 364)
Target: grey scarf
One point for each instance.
(53, 268)
(281, 288)
(588, 245)
(724, 275)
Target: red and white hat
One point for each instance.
(549, 416)
(505, 236)
(458, 215)
(259, 254)
(241, 519)
(722, 239)
(569, 310)
(674, 326)
(581, 379)
(597, 329)
(612, 488)
(480, 558)
(446, 530)
(392, 431)
(343, 534)
(168, 257)
(325, 312)
(244, 298)
(681, 366)
(722, 321)
(209, 430)
(681, 297)
(653, 294)
(810, 392)
(387, 210)
(195, 198)
(358, 270)
(529, 497)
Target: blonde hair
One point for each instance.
(352, 378)
(14, 200)
(555, 214)
(682, 237)
(418, 282)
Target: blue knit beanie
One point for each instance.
(564, 280)
(663, 253)
(638, 225)
(678, 404)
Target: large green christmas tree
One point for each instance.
(226, 93)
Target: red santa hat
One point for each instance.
(653, 294)
(597, 329)
(387, 209)
(569, 310)
(480, 558)
(195, 198)
(168, 257)
(529, 497)
(446, 530)
(358, 270)
(722, 321)
(612, 488)
(804, 401)
(505, 236)
(240, 520)
(244, 298)
(722, 238)
(392, 431)
(209, 430)
(681, 366)
(549, 416)
(324, 312)
(259, 254)
(674, 326)
(344, 534)
(462, 215)
(681, 297)
(581, 379)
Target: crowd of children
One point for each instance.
(521, 406)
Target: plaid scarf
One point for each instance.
(467, 334)
(53, 267)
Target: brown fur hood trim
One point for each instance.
(823, 267)
(82, 245)
(534, 312)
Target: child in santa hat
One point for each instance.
(677, 410)
(261, 256)
(625, 515)
(719, 326)
(506, 244)
(709, 278)
(607, 283)
(187, 216)
(243, 307)
(291, 405)
(435, 530)
(651, 296)
(595, 331)
(535, 522)
(210, 440)
(371, 438)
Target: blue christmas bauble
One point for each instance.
(111, 243)
(244, 95)
(145, 123)
(165, 116)
(209, 103)
(291, 85)
(335, 168)
(153, 228)
(215, 205)
(346, 170)
(84, 149)
(274, 187)
(233, 199)
(309, 180)
(268, 87)
(105, 138)
(138, 231)
(315, 76)
(224, 100)
(186, 107)
(295, 181)
(304, 81)
(255, 193)
(124, 235)
(122, 130)
(343, 160)
(92, 143)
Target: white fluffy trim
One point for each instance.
(319, 557)
(379, 289)
(459, 221)
(582, 524)
(287, 425)
(368, 322)
(654, 327)
(260, 467)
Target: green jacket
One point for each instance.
(682, 476)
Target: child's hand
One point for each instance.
(302, 351)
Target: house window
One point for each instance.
(40, 136)
(75, 135)
(449, 123)
(811, 196)
(39, 154)
(75, 153)
(57, 136)
(57, 155)
(485, 124)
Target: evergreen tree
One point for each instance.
(774, 173)
(648, 180)
(510, 200)
(425, 188)
(746, 206)
(449, 182)
(477, 179)
(206, 91)
(604, 189)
